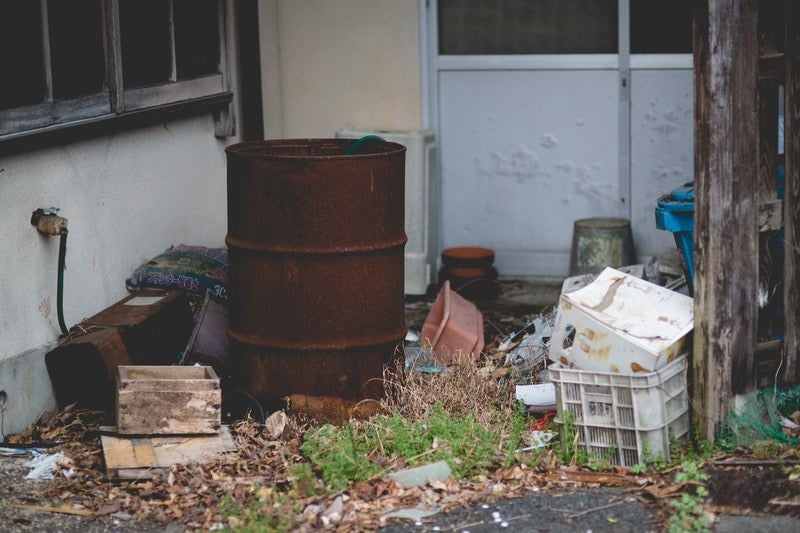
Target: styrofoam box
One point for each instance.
(421, 202)
(625, 419)
(620, 323)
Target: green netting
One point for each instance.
(763, 417)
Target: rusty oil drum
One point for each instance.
(316, 241)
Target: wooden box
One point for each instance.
(168, 400)
(83, 368)
(154, 325)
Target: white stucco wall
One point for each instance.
(331, 64)
(127, 197)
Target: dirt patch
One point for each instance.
(750, 487)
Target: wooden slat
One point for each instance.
(767, 139)
(791, 297)
(168, 412)
(770, 73)
(141, 457)
(726, 212)
(143, 452)
(168, 400)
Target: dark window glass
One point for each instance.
(21, 60)
(659, 27)
(146, 42)
(76, 47)
(196, 37)
(528, 26)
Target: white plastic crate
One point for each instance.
(624, 419)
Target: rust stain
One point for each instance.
(592, 350)
(674, 349)
(599, 353)
(663, 318)
(636, 367)
(566, 305)
(563, 360)
(613, 368)
(609, 296)
(593, 335)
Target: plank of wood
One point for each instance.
(791, 286)
(203, 375)
(143, 452)
(726, 213)
(140, 457)
(169, 412)
(64, 509)
(767, 139)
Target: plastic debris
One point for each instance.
(333, 513)
(527, 349)
(421, 475)
(413, 513)
(422, 359)
(539, 439)
(539, 398)
(620, 323)
(43, 466)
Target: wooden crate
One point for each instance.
(154, 325)
(168, 400)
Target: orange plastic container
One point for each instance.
(454, 327)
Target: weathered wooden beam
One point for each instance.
(770, 38)
(767, 139)
(791, 221)
(726, 210)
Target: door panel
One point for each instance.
(661, 149)
(525, 154)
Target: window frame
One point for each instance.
(109, 109)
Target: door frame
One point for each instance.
(431, 64)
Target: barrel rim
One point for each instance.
(603, 222)
(251, 149)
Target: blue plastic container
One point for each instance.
(675, 213)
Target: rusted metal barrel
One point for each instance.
(316, 240)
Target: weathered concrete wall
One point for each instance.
(127, 197)
(328, 65)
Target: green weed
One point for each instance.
(688, 513)
(349, 454)
(264, 511)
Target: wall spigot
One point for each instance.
(48, 222)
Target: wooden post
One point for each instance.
(726, 203)
(791, 221)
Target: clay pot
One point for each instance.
(470, 272)
(468, 257)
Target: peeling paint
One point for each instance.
(548, 140)
(668, 175)
(580, 122)
(566, 166)
(586, 187)
(521, 163)
(665, 122)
